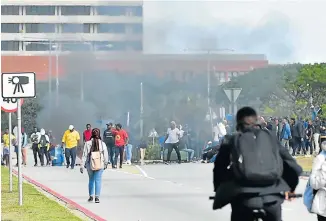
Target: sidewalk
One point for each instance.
(126, 197)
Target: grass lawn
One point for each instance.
(36, 206)
(305, 163)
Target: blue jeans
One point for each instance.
(94, 182)
(129, 152)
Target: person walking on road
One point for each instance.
(70, 140)
(121, 140)
(87, 133)
(24, 142)
(44, 144)
(36, 150)
(172, 141)
(285, 135)
(108, 138)
(94, 159)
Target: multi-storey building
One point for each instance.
(38, 36)
(29, 26)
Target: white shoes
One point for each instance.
(128, 162)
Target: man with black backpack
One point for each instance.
(44, 145)
(251, 171)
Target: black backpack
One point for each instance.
(43, 141)
(255, 158)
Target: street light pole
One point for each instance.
(208, 53)
(57, 75)
(141, 111)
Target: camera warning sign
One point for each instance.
(18, 85)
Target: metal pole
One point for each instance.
(82, 86)
(20, 174)
(209, 90)
(57, 76)
(50, 69)
(10, 156)
(141, 111)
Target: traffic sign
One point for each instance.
(236, 93)
(10, 104)
(18, 85)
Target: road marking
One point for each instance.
(141, 170)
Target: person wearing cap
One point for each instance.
(70, 139)
(109, 137)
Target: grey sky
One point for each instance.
(286, 31)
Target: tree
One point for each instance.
(306, 82)
(29, 111)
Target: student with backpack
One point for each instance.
(94, 159)
(317, 182)
(44, 145)
(251, 171)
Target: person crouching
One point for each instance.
(95, 160)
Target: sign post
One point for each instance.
(10, 106)
(17, 86)
(10, 156)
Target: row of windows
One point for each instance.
(71, 28)
(68, 46)
(75, 10)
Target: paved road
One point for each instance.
(170, 192)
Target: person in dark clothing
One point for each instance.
(298, 137)
(244, 199)
(108, 138)
(36, 151)
(308, 138)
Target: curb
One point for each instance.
(75, 205)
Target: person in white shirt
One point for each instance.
(172, 141)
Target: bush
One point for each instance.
(153, 152)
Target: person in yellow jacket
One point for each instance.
(70, 140)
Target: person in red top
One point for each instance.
(87, 133)
(121, 140)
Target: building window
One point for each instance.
(40, 28)
(75, 10)
(75, 46)
(10, 45)
(10, 10)
(9, 28)
(75, 28)
(40, 10)
(137, 28)
(111, 10)
(37, 46)
(136, 11)
(135, 45)
(111, 28)
(109, 46)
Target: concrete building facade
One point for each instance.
(34, 27)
